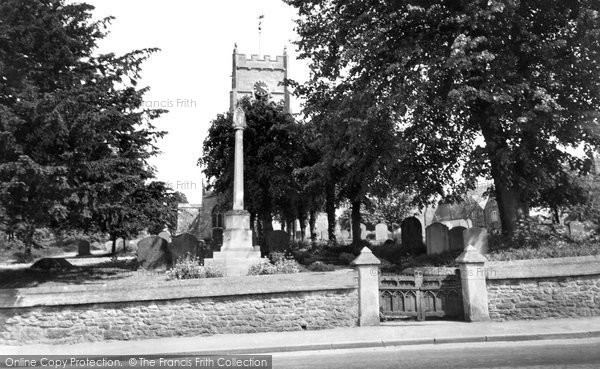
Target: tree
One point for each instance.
(521, 76)
(392, 208)
(271, 152)
(73, 136)
(139, 206)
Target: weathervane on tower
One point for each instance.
(260, 18)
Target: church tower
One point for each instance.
(261, 78)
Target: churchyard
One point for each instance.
(373, 205)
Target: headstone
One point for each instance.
(437, 238)
(581, 230)
(412, 235)
(52, 264)
(132, 245)
(183, 244)
(153, 253)
(456, 238)
(165, 235)
(119, 247)
(381, 232)
(277, 241)
(477, 237)
(83, 247)
(363, 231)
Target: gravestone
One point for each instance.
(52, 264)
(412, 235)
(277, 241)
(165, 235)
(153, 253)
(477, 237)
(381, 232)
(183, 244)
(437, 238)
(581, 230)
(119, 247)
(83, 247)
(363, 231)
(456, 238)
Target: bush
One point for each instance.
(391, 253)
(319, 266)
(438, 260)
(188, 267)
(371, 236)
(299, 244)
(346, 258)
(534, 241)
(280, 264)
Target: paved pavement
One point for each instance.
(386, 335)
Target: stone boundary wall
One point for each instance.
(544, 288)
(179, 308)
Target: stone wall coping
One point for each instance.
(544, 268)
(346, 279)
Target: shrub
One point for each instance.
(389, 252)
(280, 264)
(319, 266)
(188, 267)
(23, 257)
(534, 241)
(346, 258)
(438, 260)
(261, 269)
(298, 244)
(370, 236)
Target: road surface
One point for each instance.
(580, 353)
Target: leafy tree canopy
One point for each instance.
(74, 139)
(272, 149)
(480, 88)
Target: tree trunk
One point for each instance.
(511, 207)
(28, 241)
(330, 209)
(261, 237)
(267, 222)
(509, 198)
(312, 222)
(302, 221)
(114, 245)
(356, 236)
(290, 229)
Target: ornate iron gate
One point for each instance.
(420, 296)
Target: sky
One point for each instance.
(191, 75)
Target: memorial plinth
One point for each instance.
(237, 253)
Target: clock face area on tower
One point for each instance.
(261, 90)
(259, 77)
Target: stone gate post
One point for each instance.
(474, 288)
(368, 287)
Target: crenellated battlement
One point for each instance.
(246, 71)
(256, 62)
